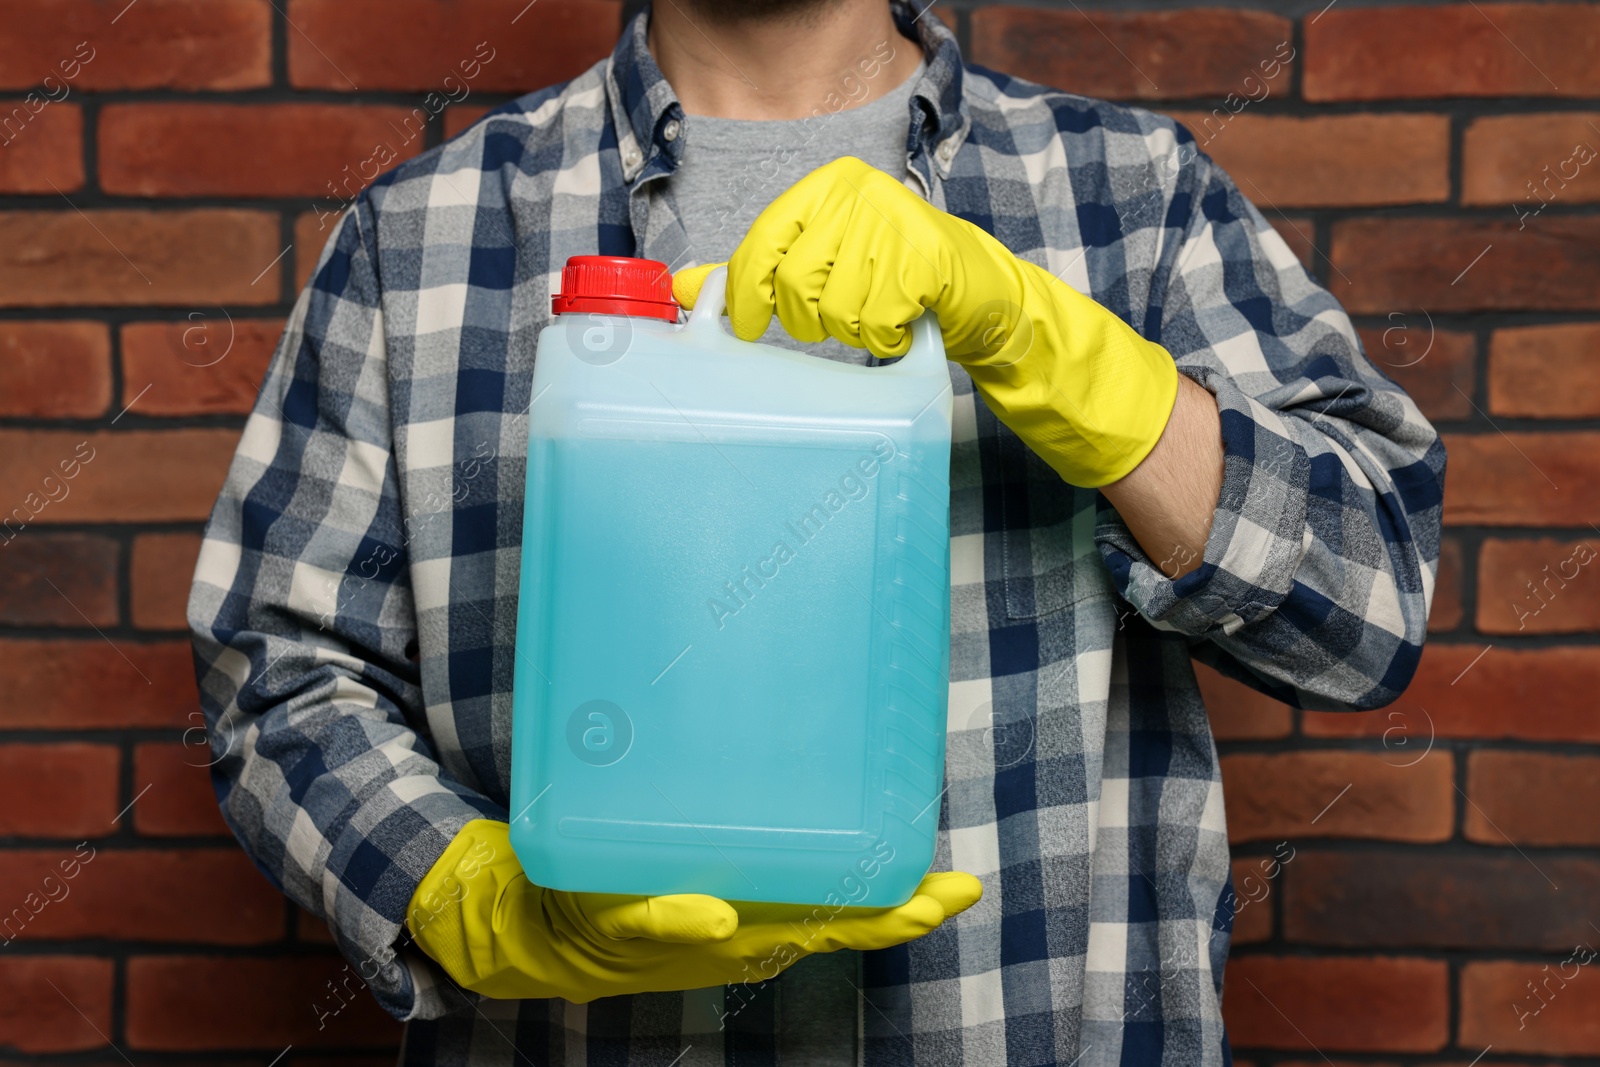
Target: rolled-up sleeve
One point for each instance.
(1319, 570)
(304, 635)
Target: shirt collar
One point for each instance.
(644, 109)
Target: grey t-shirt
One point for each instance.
(733, 168)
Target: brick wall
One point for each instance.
(163, 192)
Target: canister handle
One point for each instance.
(925, 356)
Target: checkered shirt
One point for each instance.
(354, 604)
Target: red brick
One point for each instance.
(1531, 798)
(163, 569)
(1549, 372)
(1447, 613)
(181, 802)
(41, 145)
(1329, 160)
(194, 1003)
(54, 1003)
(307, 927)
(53, 370)
(1166, 55)
(1523, 479)
(88, 684)
(1297, 232)
(1436, 367)
(210, 896)
(171, 44)
(58, 790)
(210, 364)
(126, 257)
(1395, 264)
(1544, 694)
(1568, 1005)
(280, 150)
(130, 476)
(1372, 1004)
(210, 1061)
(1539, 586)
(457, 119)
(1515, 49)
(1253, 890)
(1412, 899)
(1239, 713)
(1531, 161)
(419, 44)
(58, 580)
(1297, 795)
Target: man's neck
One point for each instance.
(836, 55)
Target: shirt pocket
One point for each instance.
(1048, 557)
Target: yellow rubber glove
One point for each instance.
(496, 933)
(848, 252)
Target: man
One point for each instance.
(1199, 462)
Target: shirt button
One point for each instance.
(947, 150)
(631, 158)
(670, 130)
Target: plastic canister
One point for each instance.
(733, 631)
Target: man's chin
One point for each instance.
(756, 10)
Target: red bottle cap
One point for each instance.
(616, 285)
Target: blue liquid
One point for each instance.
(732, 667)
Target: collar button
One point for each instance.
(670, 131)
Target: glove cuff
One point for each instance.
(1082, 388)
(458, 881)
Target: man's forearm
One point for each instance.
(1168, 500)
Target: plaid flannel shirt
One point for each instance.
(354, 603)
